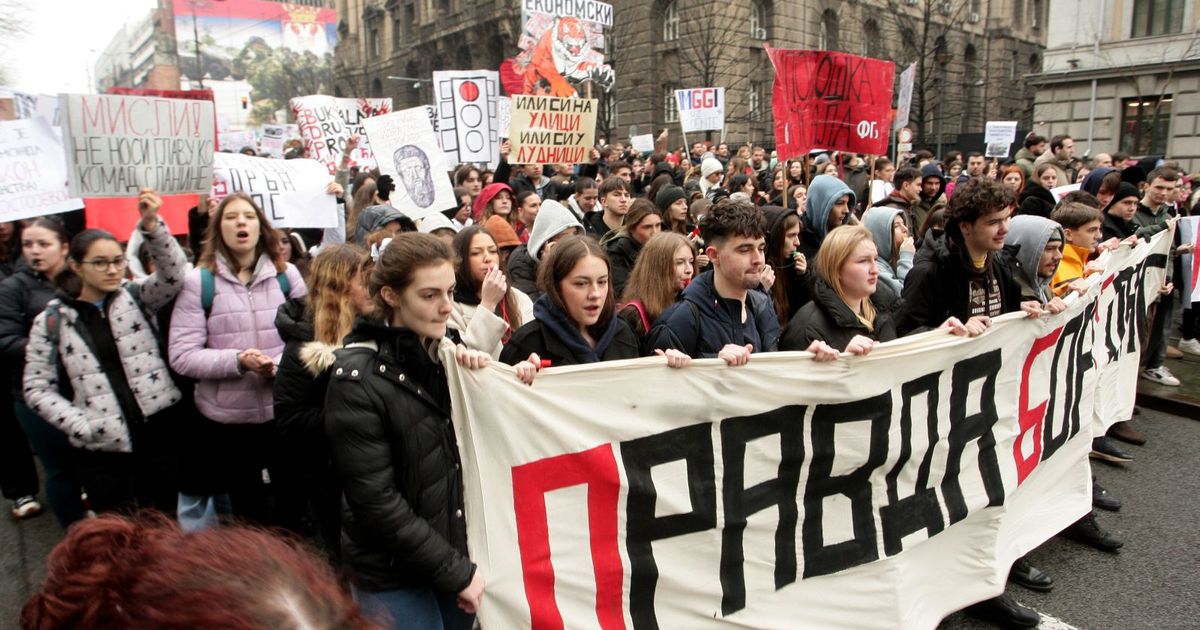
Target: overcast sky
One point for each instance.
(63, 41)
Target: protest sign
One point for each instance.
(24, 105)
(904, 102)
(1000, 131)
(701, 109)
(831, 100)
(406, 149)
(116, 145)
(503, 115)
(468, 115)
(1190, 262)
(549, 130)
(643, 143)
(890, 490)
(997, 149)
(33, 174)
(1058, 191)
(236, 140)
(585, 10)
(271, 144)
(290, 192)
(326, 123)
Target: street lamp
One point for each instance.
(416, 80)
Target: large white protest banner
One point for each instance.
(701, 109)
(549, 130)
(116, 145)
(467, 104)
(326, 123)
(407, 149)
(884, 491)
(33, 173)
(290, 192)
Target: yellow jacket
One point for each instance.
(1072, 268)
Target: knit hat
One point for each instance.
(709, 166)
(668, 195)
(502, 231)
(435, 221)
(485, 197)
(1133, 175)
(1124, 191)
(822, 160)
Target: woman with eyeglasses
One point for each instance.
(94, 369)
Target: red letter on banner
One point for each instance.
(1031, 419)
(598, 469)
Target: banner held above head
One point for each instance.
(407, 150)
(468, 110)
(548, 130)
(290, 192)
(33, 174)
(832, 100)
(326, 123)
(701, 109)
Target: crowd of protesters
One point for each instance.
(291, 378)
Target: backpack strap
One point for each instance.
(637, 304)
(208, 290)
(285, 284)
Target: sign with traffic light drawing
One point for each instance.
(468, 115)
(407, 150)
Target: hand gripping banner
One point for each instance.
(884, 491)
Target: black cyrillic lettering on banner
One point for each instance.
(1071, 347)
(964, 428)
(920, 510)
(819, 558)
(740, 502)
(693, 445)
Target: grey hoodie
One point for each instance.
(553, 219)
(879, 222)
(372, 219)
(1028, 235)
(822, 194)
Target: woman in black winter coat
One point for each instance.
(387, 419)
(575, 319)
(847, 313)
(1037, 199)
(18, 473)
(23, 296)
(312, 328)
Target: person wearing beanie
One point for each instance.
(555, 222)
(672, 203)
(377, 218)
(505, 236)
(438, 225)
(1119, 213)
(711, 173)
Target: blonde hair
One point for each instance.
(838, 245)
(329, 281)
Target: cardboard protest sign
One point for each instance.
(406, 148)
(549, 130)
(643, 143)
(830, 100)
(715, 498)
(468, 115)
(561, 44)
(701, 109)
(33, 174)
(1000, 131)
(116, 145)
(290, 192)
(326, 123)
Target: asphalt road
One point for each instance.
(1153, 582)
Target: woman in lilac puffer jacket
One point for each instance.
(223, 335)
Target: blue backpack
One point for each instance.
(208, 288)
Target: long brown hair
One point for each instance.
(783, 264)
(652, 281)
(364, 197)
(838, 245)
(332, 271)
(465, 282)
(638, 211)
(408, 253)
(214, 245)
(559, 263)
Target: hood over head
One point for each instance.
(553, 219)
(879, 222)
(435, 221)
(932, 170)
(824, 191)
(1091, 183)
(485, 197)
(1030, 234)
(374, 218)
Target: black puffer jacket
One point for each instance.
(828, 319)
(387, 417)
(23, 296)
(300, 384)
(1036, 200)
(522, 272)
(938, 286)
(622, 255)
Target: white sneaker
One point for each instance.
(1190, 346)
(1160, 375)
(26, 507)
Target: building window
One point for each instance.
(971, 83)
(671, 21)
(758, 20)
(670, 107)
(756, 100)
(1157, 17)
(1012, 67)
(1018, 13)
(1035, 17)
(1144, 127)
(396, 30)
(872, 41)
(373, 41)
(829, 31)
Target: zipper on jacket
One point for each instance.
(254, 324)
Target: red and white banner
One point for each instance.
(830, 100)
(884, 491)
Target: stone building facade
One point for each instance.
(973, 54)
(1123, 75)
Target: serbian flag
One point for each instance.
(830, 100)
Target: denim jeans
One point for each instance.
(414, 609)
(63, 487)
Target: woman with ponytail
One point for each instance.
(94, 369)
